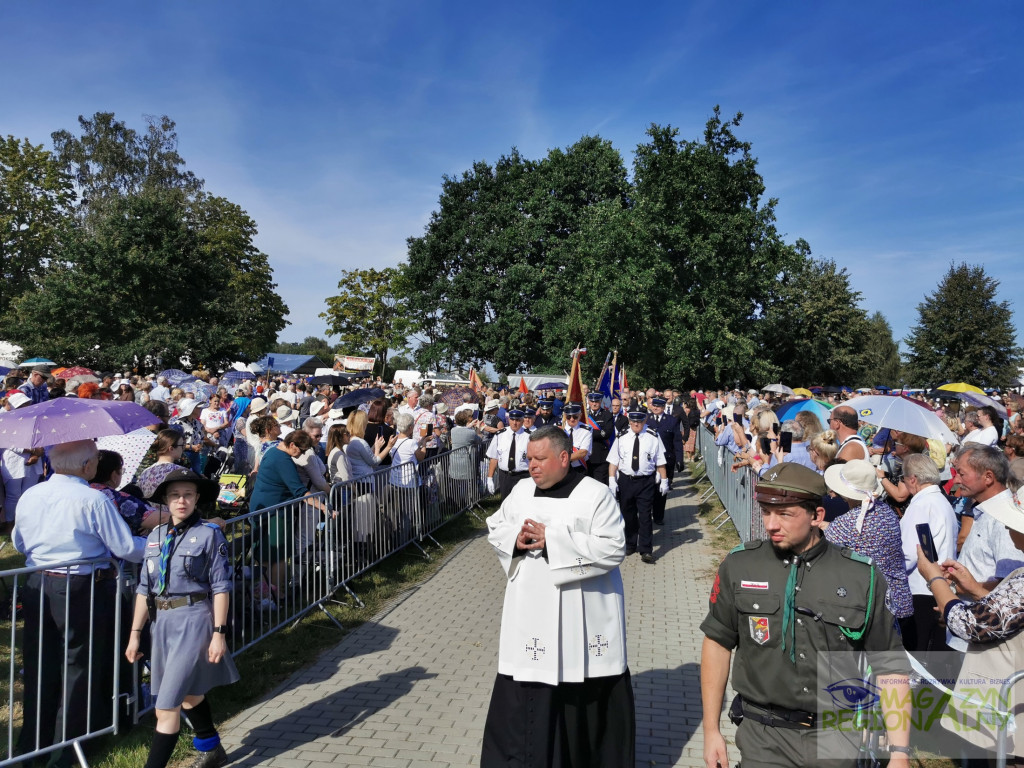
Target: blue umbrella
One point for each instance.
(358, 397)
(37, 361)
(199, 389)
(238, 376)
(792, 408)
(174, 376)
(553, 385)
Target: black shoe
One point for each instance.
(648, 558)
(215, 758)
(630, 551)
(659, 522)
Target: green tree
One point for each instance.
(110, 160)
(311, 345)
(254, 313)
(882, 363)
(500, 242)
(35, 195)
(963, 333)
(367, 314)
(142, 282)
(815, 333)
(703, 203)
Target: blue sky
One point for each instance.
(890, 132)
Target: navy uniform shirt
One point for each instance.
(652, 452)
(603, 435)
(668, 427)
(199, 563)
(499, 448)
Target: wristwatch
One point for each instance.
(904, 750)
(223, 629)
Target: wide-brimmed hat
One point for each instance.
(335, 413)
(440, 408)
(208, 489)
(258, 405)
(186, 406)
(316, 407)
(491, 405)
(855, 479)
(285, 414)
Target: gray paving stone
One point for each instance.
(411, 688)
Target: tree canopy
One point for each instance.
(963, 333)
(367, 314)
(141, 265)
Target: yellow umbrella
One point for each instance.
(961, 387)
(804, 392)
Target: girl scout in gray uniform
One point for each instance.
(185, 588)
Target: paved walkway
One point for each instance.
(411, 688)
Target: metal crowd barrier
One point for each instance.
(735, 489)
(288, 560)
(63, 652)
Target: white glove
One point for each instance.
(490, 486)
(613, 486)
(663, 486)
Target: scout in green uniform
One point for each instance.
(787, 606)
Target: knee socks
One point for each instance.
(160, 750)
(201, 719)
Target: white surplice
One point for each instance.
(564, 615)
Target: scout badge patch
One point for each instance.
(759, 629)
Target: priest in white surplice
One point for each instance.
(562, 696)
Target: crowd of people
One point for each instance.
(867, 491)
(940, 519)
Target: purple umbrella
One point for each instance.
(70, 418)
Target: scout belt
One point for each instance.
(167, 603)
(779, 717)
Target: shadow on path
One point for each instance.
(329, 717)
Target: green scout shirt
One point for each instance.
(747, 609)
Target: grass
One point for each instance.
(273, 660)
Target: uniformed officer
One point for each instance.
(667, 428)
(581, 435)
(529, 415)
(638, 457)
(185, 588)
(597, 462)
(791, 607)
(507, 454)
(545, 416)
(619, 418)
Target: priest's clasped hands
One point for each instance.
(531, 536)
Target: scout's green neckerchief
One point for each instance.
(789, 609)
(857, 634)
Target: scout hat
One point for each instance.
(789, 483)
(208, 489)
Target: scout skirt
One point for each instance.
(181, 640)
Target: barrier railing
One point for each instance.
(735, 489)
(288, 560)
(63, 652)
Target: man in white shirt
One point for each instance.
(562, 682)
(160, 391)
